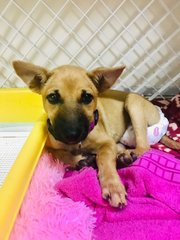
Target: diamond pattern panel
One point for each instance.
(144, 35)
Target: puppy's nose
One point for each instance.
(73, 135)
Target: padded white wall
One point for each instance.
(142, 34)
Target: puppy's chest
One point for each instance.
(116, 123)
(113, 117)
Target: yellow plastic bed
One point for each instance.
(20, 106)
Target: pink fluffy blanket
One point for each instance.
(71, 208)
(47, 215)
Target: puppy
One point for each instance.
(84, 116)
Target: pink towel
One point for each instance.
(153, 210)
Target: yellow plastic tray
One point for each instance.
(20, 105)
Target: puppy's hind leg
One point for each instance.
(142, 113)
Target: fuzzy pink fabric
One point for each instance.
(46, 215)
(153, 205)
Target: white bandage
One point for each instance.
(154, 132)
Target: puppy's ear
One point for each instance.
(34, 76)
(104, 78)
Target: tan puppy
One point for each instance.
(82, 117)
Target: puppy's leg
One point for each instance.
(142, 114)
(120, 148)
(112, 187)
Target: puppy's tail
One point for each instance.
(170, 143)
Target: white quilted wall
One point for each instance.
(142, 34)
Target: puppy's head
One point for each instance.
(69, 96)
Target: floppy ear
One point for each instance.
(104, 78)
(34, 76)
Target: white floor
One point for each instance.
(12, 138)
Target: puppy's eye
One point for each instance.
(54, 98)
(86, 98)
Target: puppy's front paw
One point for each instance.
(88, 160)
(114, 191)
(125, 159)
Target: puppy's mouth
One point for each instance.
(50, 128)
(70, 135)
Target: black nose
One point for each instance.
(73, 135)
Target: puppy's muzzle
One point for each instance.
(69, 130)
